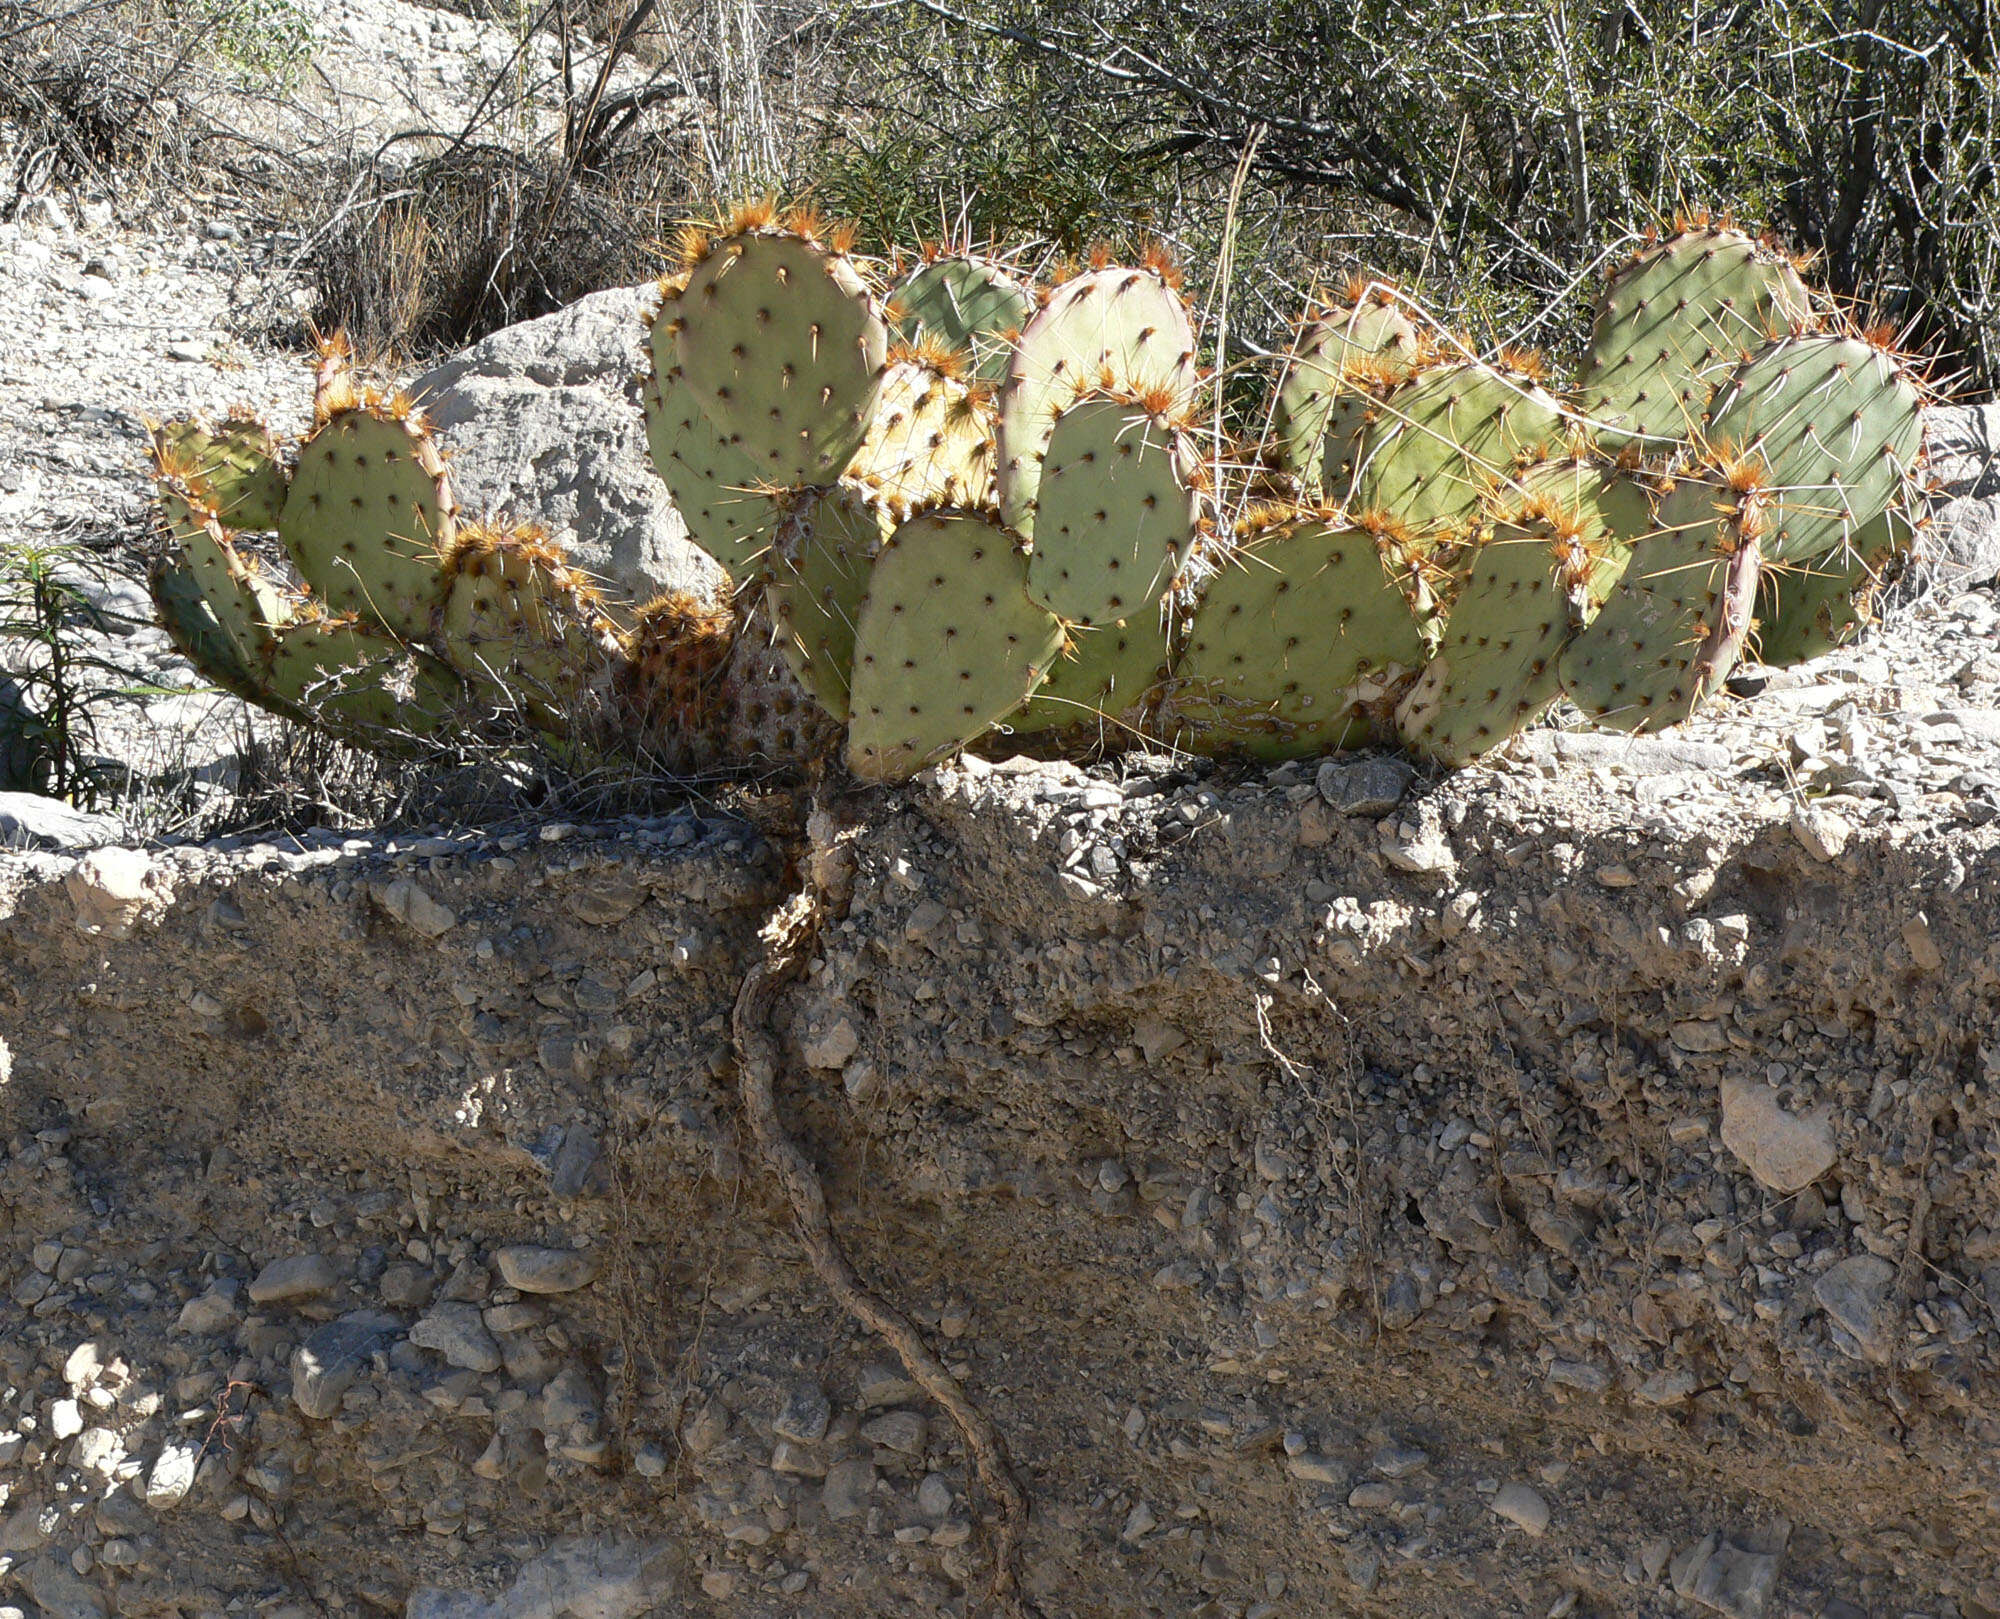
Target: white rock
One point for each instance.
(1785, 1151)
(173, 1473)
(411, 905)
(1522, 1504)
(109, 890)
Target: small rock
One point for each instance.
(574, 1579)
(844, 1496)
(411, 905)
(1309, 1467)
(405, 1286)
(832, 1047)
(1736, 1582)
(1785, 1151)
(1631, 755)
(1820, 832)
(60, 1592)
(211, 1312)
(457, 1332)
(1399, 1461)
(172, 1474)
(547, 1270)
(805, 1417)
(881, 1384)
(934, 1496)
(108, 889)
(297, 1276)
(66, 1419)
(1522, 1505)
(325, 1366)
(1418, 843)
(902, 1431)
(606, 903)
(1921, 946)
(1855, 1296)
(1367, 786)
(1139, 1522)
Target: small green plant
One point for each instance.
(53, 684)
(270, 39)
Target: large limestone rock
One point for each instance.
(543, 420)
(1960, 547)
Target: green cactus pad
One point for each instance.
(1558, 543)
(717, 491)
(947, 642)
(1127, 323)
(368, 519)
(1322, 368)
(1099, 696)
(1117, 511)
(1348, 420)
(1442, 440)
(784, 348)
(231, 467)
(930, 443)
(1838, 426)
(359, 681)
(1674, 623)
(1673, 322)
(969, 305)
(1298, 647)
(522, 625)
(191, 626)
(819, 578)
(246, 607)
(1822, 605)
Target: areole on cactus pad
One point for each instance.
(1019, 523)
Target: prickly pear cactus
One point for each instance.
(819, 577)
(718, 491)
(1364, 338)
(522, 625)
(1118, 510)
(1441, 441)
(930, 442)
(369, 517)
(1836, 423)
(969, 304)
(231, 467)
(1560, 537)
(1822, 605)
(1300, 644)
(1675, 622)
(947, 643)
(783, 345)
(1101, 693)
(1673, 321)
(1123, 328)
(359, 681)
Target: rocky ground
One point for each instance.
(1570, 1188)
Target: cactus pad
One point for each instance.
(930, 443)
(368, 518)
(784, 348)
(246, 607)
(191, 626)
(519, 622)
(1674, 321)
(1559, 541)
(819, 577)
(1298, 646)
(967, 304)
(1822, 605)
(1674, 623)
(1440, 441)
(1101, 692)
(1325, 363)
(947, 643)
(716, 489)
(1117, 511)
(359, 681)
(1837, 425)
(231, 467)
(1128, 323)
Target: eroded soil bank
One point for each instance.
(1549, 1193)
